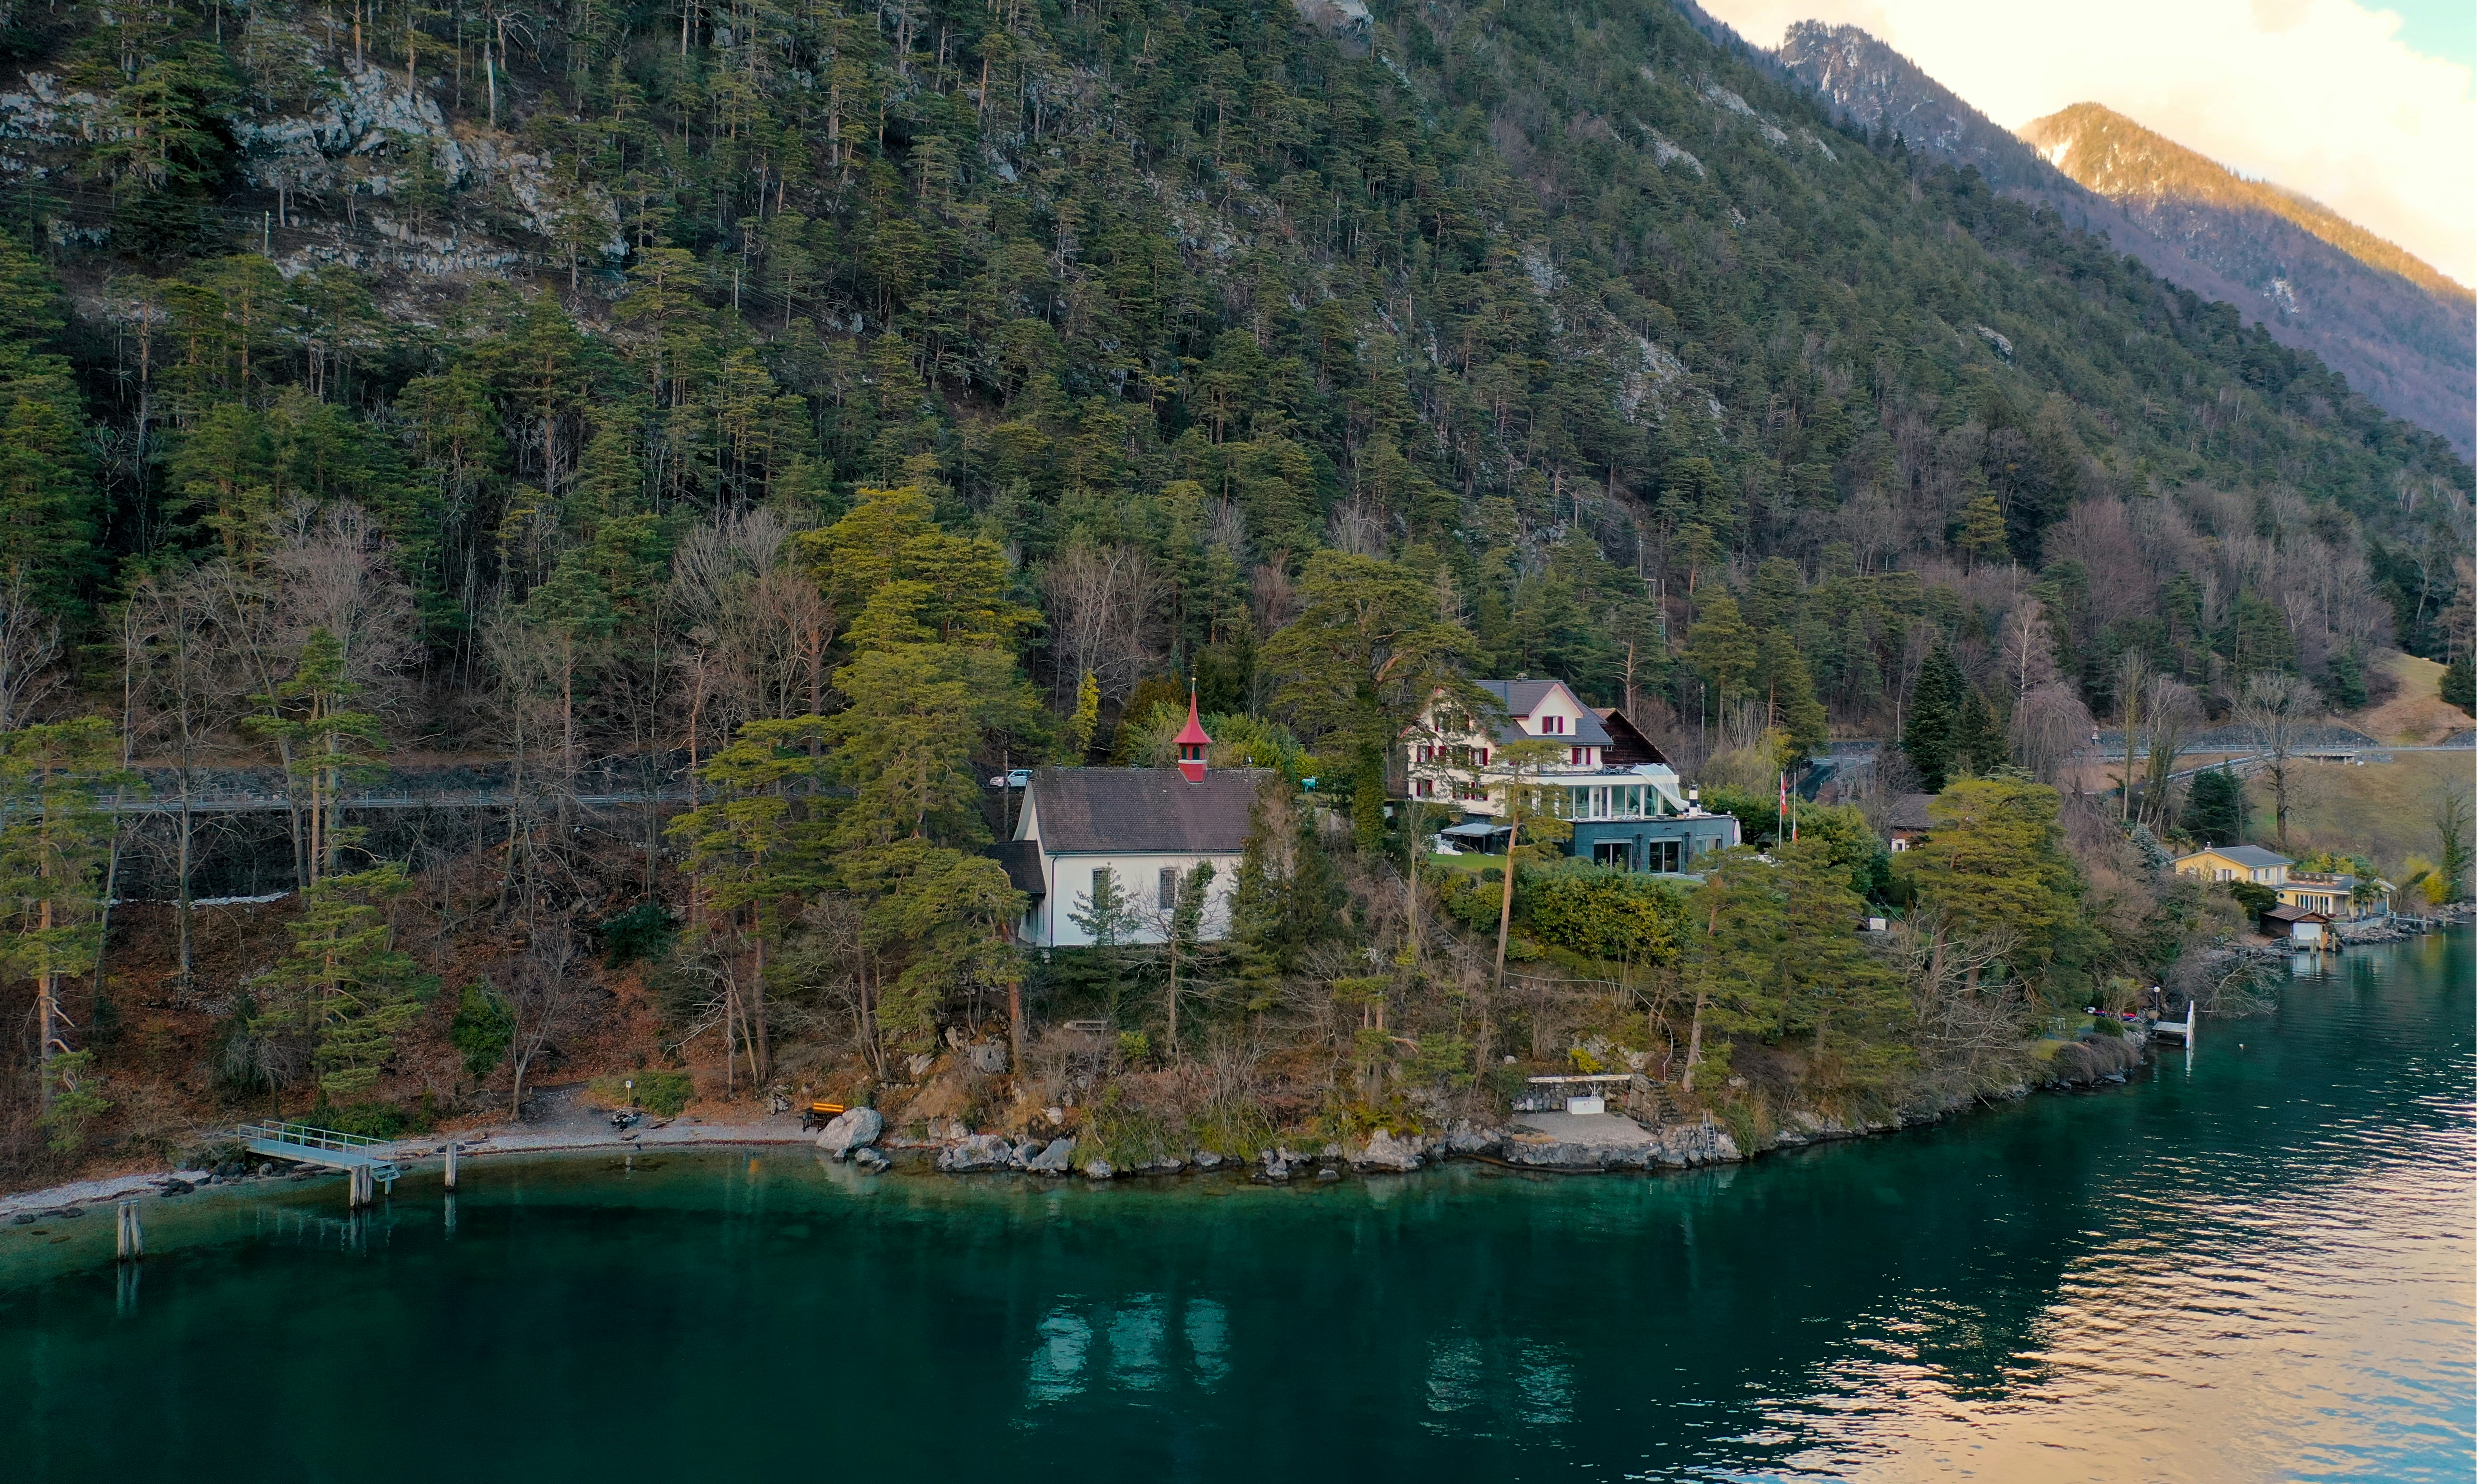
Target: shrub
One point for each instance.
(1603, 913)
(1126, 1134)
(371, 1120)
(642, 932)
(482, 1028)
(663, 1094)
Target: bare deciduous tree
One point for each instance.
(186, 694)
(1107, 606)
(2047, 727)
(30, 640)
(2171, 713)
(545, 997)
(2276, 707)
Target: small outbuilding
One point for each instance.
(2300, 926)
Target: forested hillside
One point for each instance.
(2396, 328)
(840, 402)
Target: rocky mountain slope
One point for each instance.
(2398, 330)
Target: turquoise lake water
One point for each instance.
(2255, 1263)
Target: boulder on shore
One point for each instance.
(1388, 1154)
(1056, 1159)
(1098, 1169)
(848, 1130)
(976, 1152)
(1279, 1163)
(870, 1161)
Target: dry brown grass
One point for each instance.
(2381, 810)
(2414, 714)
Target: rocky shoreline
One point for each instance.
(1543, 1143)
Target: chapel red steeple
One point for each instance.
(1193, 743)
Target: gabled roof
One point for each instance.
(1628, 746)
(2291, 914)
(1911, 811)
(1142, 811)
(1524, 697)
(1022, 861)
(2253, 856)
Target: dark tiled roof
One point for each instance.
(1143, 810)
(1911, 811)
(2291, 914)
(1628, 746)
(1023, 859)
(1522, 696)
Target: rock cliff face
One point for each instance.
(2402, 333)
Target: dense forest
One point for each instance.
(796, 414)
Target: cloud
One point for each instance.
(2316, 95)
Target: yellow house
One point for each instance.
(2236, 863)
(2333, 893)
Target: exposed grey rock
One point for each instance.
(1098, 1169)
(1328, 1173)
(1055, 1158)
(1464, 1138)
(1168, 1164)
(1387, 1153)
(1207, 1160)
(976, 1152)
(1025, 1154)
(870, 1161)
(849, 1131)
(988, 1056)
(1680, 1145)
(1279, 1163)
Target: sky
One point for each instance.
(2366, 108)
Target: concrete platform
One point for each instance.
(1606, 1141)
(1599, 1130)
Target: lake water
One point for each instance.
(2257, 1264)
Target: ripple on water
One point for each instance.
(2240, 1268)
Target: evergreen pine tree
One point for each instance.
(2216, 812)
(1930, 726)
(2455, 686)
(1980, 743)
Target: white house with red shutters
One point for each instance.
(1624, 802)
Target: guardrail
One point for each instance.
(309, 1136)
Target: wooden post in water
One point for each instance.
(452, 1164)
(130, 1238)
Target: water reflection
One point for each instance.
(2279, 1283)
(2254, 1263)
(1059, 1367)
